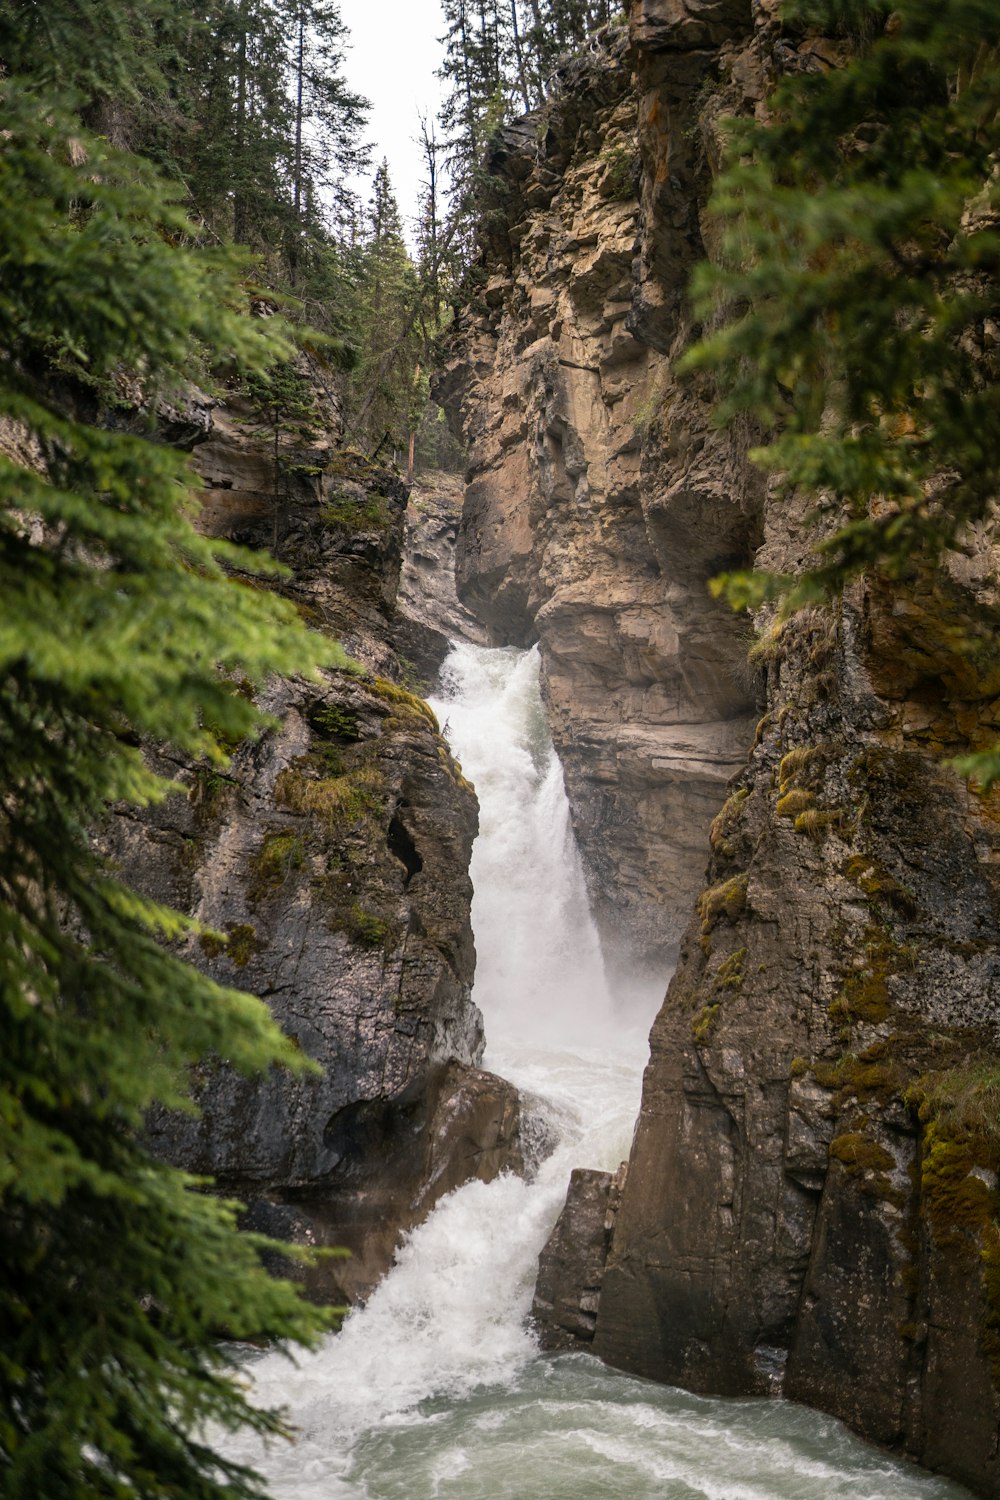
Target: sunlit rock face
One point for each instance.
(799, 1215)
(331, 859)
(599, 503)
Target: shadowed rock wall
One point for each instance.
(331, 858)
(811, 1202)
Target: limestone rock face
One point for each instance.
(571, 1266)
(683, 25)
(807, 1209)
(590, 525)
(429, 615)
(812, 1201)
(331, 860)
(792, 1220)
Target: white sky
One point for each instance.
(393, 57)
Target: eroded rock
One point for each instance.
(791, 1220)
(807, 1209)
(571, 1266)
(577, 533)
(429, 616)
(329, 862)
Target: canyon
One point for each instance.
(329, 863)
(806, 1209)
(764, 807)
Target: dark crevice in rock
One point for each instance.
(402, 846)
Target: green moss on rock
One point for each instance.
(338, 801)
(407, 704)
(866, 993)
(727, 899)
(815, 822)
(703, 1024)
(239, 944)
(794, 802)
(875, 881)
(726, 821)
(729, 975)
(867, 1162)
(280, 853)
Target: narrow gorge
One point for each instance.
(763, 807)
(806, 1209)
(555, 781)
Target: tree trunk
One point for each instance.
(522, 79)
(299, 89)
(241, 224)
(413, 433)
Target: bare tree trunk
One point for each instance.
(431, 272)
(522, 80)
(299, 89)
(538, 33)
(241, 224)
(470, 109)
(413, 433)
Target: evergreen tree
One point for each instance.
(236, 158)
(466, 68)
(430, 231)
(558, 27)
(120, 623)
(385, 391)
(499, 57)
(328, 116)
(95, 47)
(858, 292)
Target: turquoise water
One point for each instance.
(436, 1389)
(568, 1427)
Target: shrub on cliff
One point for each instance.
(119, 622)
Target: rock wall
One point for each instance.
(581, 532)
(430, 615)
(811, 1202)
(808, 1211)
(330, 860)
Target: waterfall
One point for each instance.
(436, 1388)
(539, 970)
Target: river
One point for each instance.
(436, 1388)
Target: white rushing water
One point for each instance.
(436, 1387)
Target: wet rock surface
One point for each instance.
(578, 532)
(429, 615)
(797, 1217)
(811, 1203)
(571, 1266)
(330, 862)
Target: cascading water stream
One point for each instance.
(436, 1388)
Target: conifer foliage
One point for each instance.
(119, 623)
(499, 55)
(855, 308)
(856, 305)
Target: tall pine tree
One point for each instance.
(390, 343)
(120, 624)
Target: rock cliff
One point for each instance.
(581, 533)
(811, 1203)
(330, 860)
(430, 615)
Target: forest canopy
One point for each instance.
(854, 308)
